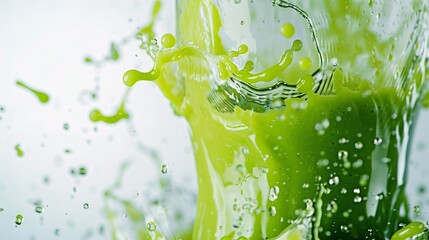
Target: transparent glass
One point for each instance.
(304, 131)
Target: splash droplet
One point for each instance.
(19, 219)
(85, 206)
(164, 169)
(288, 30)
(151, 226)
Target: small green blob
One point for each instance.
(88, 60)
(114, 52)
(305, 63)
(19, 151)
(39, 209)
(168, 40)
(2, 109)
(43, 97)
(151, 226)
(66, 126)
(19, 219)
(1, 209)
(85, 206)
(164, 169)
(243, 49)
(287, 30)
(82, 171)
(409, 231)
(121, 113)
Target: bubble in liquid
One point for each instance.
(343, 140)
(151, 226)
(288, 30)
(359, 145)
(164, 169)
(85, 206)
(334, 181)
(19, 219)
(357, 199)
(378, 140)
(343, 155)
(272, 211)
(274, 192)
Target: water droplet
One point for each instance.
(66, 126)
(378, 140)
(359, 145)
(39, 209)
(164, 169)
(1, 209)
(151, 226)
(356, 190)
(323, 162)
(379, 197)
(19, 219)
(272, 211)
(237, 1)
(343, 141)
(305, 185)
(343, 191)
(358, 163)
(274, 192)
(85, 205)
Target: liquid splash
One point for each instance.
(121, 113)
(19, 151)
(41, 96)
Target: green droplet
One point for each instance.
(19, 151)
(85, 206)
(164, 169)
(114, 52)
(1, 209)
(19, 219)
(66, 126)
(305, 63)
(82, 171)
(151, 226)
(168, 40)
(88, 60)
(43, 97)
(39, 209)
(288, 30)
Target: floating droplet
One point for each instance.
(305, 63)
(1, 209)
(151, 226)
(168, 40)
(19, 219)
(66, 126)
(164, 169)
(82, 171)
(287, 30)
(39, 209)
(85, 206)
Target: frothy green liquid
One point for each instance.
(318, 166)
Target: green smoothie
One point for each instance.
(315, 165)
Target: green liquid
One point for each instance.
(322, 167)
(41, 96)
